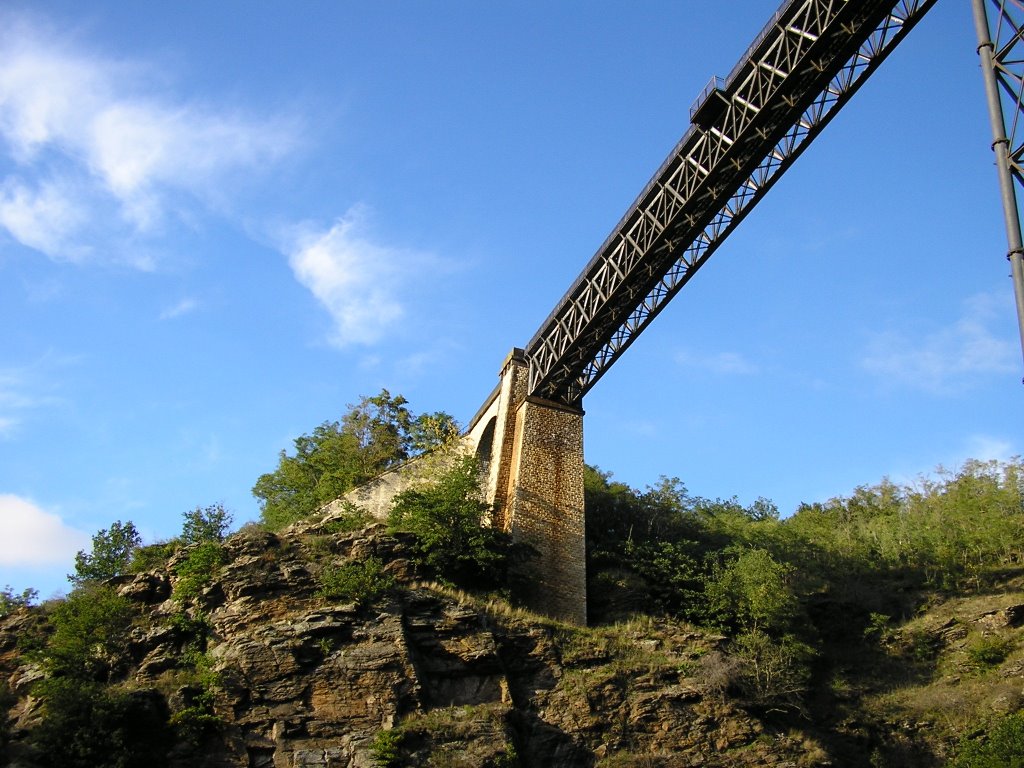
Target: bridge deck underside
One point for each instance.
(801, 69)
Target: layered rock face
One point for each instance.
(419, 675)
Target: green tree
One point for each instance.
(381, 425)
(111, 554)
(373, 436)
(453, 540)
(90, 634)
(205, 524)
(85, 725)
(431, 430)
(752, 592)
(11, 601)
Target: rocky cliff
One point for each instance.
(282, 675)
(318, 648)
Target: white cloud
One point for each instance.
(102, 153)
(726, 363)
(35, 537)
(989, 447)
(183, 307)
(357, 281)
(948, 359)
(45, 218)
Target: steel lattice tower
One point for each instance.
(1001, 49)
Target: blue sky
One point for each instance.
(222, 222)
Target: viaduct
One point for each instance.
(746, 130)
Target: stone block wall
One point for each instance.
(545, 505)
(377, 495)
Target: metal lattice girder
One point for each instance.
(804, 65)
(1001, 48)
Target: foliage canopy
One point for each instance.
(373, 436)
(719, 564)
(210, 523)
(111, 555)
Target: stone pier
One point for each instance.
(532, 452)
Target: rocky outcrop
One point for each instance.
(418, 676)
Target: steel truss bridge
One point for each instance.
(746, 131)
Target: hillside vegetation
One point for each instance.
(885, 628)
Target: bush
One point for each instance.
(373, 436)
(988, 651)
(350, 518)
(774, 672)
(1004, 747)
(197, 720)
(751, 592)
(357, 582)
(453, 540)
(385, 750)
(153, 556)
(197, 569)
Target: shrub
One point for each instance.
(988, 651)
(1004, 747)
(775, 672)
(372, 437)
(752, 592)
(350, 518)
(153, 556)
(357, 582)
(878, 626)
(198, 717)
(453, 541)
(385, 750)
(197, 569)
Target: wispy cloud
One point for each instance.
(359, 282)
(34, 537)
(948, 359)
(45, 217)
(724, 363)
(101, 154)
(27, 388)
(990, 447)
(183, 307)
(15, 400)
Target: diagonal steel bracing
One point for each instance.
(747, 130)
